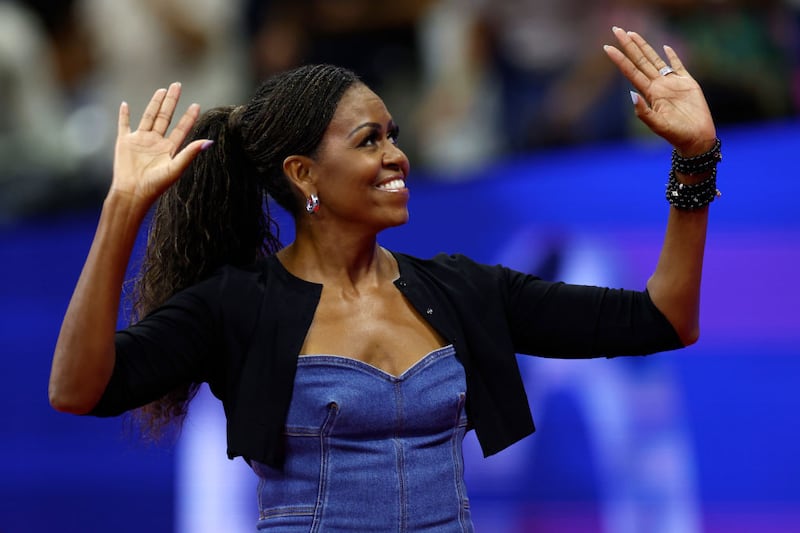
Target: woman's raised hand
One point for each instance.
(147, 160)
(669, 101)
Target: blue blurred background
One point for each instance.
(524, 151)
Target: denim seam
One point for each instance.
(279, 512)
(458, 467)
(401, 468)
(322, 494)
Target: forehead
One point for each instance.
(359, 104)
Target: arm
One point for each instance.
(672, 106)
(580, 321)
(674, 286)
(146, 162)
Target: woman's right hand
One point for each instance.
(147, 161)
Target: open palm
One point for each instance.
(671, 103)
(147, 160)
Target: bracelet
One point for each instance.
(698, 164)
(691, 197)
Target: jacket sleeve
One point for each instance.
(172, 346)
(556, 319)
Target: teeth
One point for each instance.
(394, 185)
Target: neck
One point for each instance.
(347, 260)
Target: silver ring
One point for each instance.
(666, 71)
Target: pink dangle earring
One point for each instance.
(312, 204)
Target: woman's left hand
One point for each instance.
(669, 101)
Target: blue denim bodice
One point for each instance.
(369, 451)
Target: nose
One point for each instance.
(394, 157)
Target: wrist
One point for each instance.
(700, 164)
(125, 202)
(696, 148)
(693, 180)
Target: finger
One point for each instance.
(124, 121)
(647, 50)
(635, 54)
(628, 69)
(639, 104)
(674, 61)
(183, 158)
(150, 112)
(644, 112)
(184, 125)
(167, 108)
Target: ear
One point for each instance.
(300, 171)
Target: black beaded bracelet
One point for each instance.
(699, 164)
(691, 197)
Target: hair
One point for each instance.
(218, 212)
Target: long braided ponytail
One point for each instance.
(219, 211)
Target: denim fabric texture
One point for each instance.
(369, 451)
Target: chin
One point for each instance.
(398, 220)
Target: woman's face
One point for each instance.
(359, 170)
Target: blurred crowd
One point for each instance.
(468, 80)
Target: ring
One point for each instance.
(666, 71)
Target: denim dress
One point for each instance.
(371, 452)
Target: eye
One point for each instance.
(394, 135)
(371, 139)
(375, 136)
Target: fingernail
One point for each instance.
(634, 97)
(206, 145)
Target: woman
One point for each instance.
(348, 373)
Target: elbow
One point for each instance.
(77, 385)
(64, 402)
(689, 335)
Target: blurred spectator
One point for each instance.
(512, 76)
(66, 66)
(42, 60)
(739, 50)
(140, 45)
(377, 40)
(374, 39)
(516, 75)
(794, 50)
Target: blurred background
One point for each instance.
(525, 151)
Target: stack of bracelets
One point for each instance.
(690, 197)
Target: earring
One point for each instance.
(312, 204)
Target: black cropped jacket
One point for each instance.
(241, 332)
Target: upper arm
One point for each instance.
(174, 345)
(564, 320)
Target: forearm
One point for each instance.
(674, 286)
(84, 354)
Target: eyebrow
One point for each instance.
(375, 126)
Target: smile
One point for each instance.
(396, 184)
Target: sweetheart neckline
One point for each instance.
(419, 363)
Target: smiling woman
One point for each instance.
(348, 373)
(357, 157)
